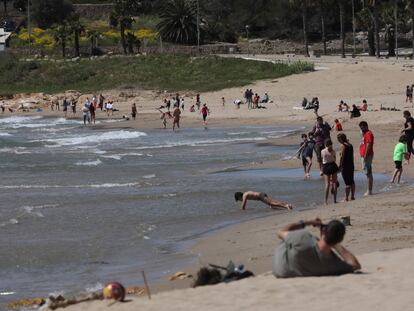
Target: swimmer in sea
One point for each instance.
(259, 196)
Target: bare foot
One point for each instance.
(289, 207)
(367, 193)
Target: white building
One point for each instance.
(4, 37)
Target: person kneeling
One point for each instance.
(302, 254)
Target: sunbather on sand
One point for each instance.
(259, 196)
(302, 254)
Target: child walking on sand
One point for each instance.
(306, 153)
(400, 152)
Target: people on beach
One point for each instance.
(3, 107)
(109, 109)
(164, 117)
(346, 166)
(134, 111)
(73, 105)
(101, 101)
(92, 109)
(306, 153)
(330, 170)
(223, 101)
(409, 94)
(85, 113)
(198, 101)
(176, 116)
(321, 132)
(366, 151)
(301, 254)
(364, 106)
(65, 105)
(265, 98)
(408, 130)
(237, 103)
(205, 112)
(400, 153)
(259, 196)
(354, 113)
(338, 126)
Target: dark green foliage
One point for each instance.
(179, 21)
(149, 72)
(48, 12)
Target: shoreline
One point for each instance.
(380, 223)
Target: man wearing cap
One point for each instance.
(302, 254)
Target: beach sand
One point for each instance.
(380, 224)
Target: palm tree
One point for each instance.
(5, 6)
(61, 35)
(304, 8)
(411, 4)
(77, 29)
(179, 22)
(131, 41)
(341, 19)
(93, 36)
(365, 21)
(122, 14)
(321, 4)
(374, 4)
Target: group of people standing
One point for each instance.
(253, 100)
(319, 141)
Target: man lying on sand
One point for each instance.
(302, 254)
(259, 196)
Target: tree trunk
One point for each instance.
(341, 19)
(371, 42)
(63, 47)
(322, 13)
(305, 28)
(391, 42)
(376, 31)
(5, 7)
(123, 42)
(412, 25)
(92, 45)
(77, 49)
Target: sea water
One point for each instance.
(80, 207)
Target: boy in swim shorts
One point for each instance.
(259, 196)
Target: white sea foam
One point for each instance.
(207, 142)
(7, 293)
(119, 156)
(18, 119)
(149, 176)
(15, 150)
(4, 134)
(90, 163)
(96, 138)
(104, 185)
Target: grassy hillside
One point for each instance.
(161, 72)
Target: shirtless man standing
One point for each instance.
(259, 196)
(176, 116)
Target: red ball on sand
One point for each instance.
(114, 290)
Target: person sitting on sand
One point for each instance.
(302, 254)
(340, 106)
(259, 196)
(364, 106)
(354, 113)
(265, 99)
(345, 107)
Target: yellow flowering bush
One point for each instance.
(37, 31)
(112, 35)
(148, 34)
(46, 41)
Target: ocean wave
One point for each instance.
(207, 142)
(4, 134)
(90, 163)
(45, 123)
(96, 138)
(15, 150)
(104, 185)
(18, 119)
(149, 176)
(119, 156)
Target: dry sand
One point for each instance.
(382, 222)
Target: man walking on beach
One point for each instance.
(366, 151)
(302, 254)
(176, 116)
(321, 133)
(408, 130)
